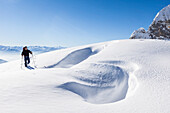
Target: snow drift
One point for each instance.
(108, 84)
(74, 58)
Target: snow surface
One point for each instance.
(123, 76)
(2, 61)
(163, 15)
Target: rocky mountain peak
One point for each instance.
(159, 29)
(139, 34)
(163, 15)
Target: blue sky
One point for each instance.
(73, 22)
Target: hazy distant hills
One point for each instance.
(10, 53)
(39, 49)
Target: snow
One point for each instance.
(2, 61)
(140, 34)
(158, 29)
(122, 76)
(163, 15)
(107, 81)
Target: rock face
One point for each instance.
(140, 34)
(159, 29)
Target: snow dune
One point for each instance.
(108, 84)
(74, 58)
(126, 76)
(108, 80)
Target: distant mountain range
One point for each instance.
(39, 49)
(159, 28)
(10, 53)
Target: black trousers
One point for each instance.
(27, 60)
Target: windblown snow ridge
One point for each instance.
(76, 57)
(106, 85)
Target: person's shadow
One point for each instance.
(29, 67)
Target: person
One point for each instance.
(26, 53)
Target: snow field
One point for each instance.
(126, 76)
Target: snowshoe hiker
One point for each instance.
(26, 53)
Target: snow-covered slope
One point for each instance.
(126, 76)
(163, 15)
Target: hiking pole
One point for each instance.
(33, 60)
(21, 61)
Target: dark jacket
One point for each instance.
(26, 52)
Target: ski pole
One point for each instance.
(21, 61)
(33, 60)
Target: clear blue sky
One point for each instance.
(73, 22)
